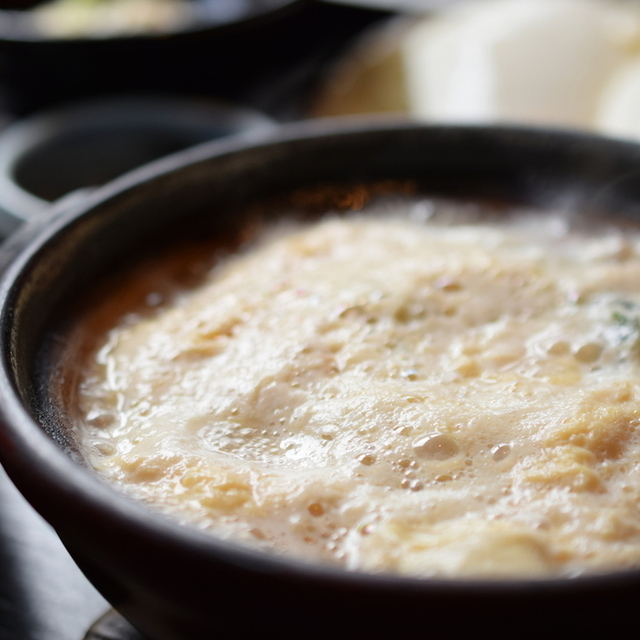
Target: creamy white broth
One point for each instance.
(425, 389)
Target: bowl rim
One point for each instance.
(15, 26)
(25, 448)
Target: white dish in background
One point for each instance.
(571, 63)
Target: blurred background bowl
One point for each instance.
(46, 157)
(270, 59)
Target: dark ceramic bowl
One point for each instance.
(176, 583)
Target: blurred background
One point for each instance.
(90, 89)
(554, 62)
(70, 69)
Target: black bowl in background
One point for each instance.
(50, 155)
(176, 583)
(270, 61)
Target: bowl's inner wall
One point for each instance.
(204, 195)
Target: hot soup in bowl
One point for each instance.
(419, 399)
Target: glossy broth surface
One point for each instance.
(427, 388)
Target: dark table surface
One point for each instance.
(43, 595)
